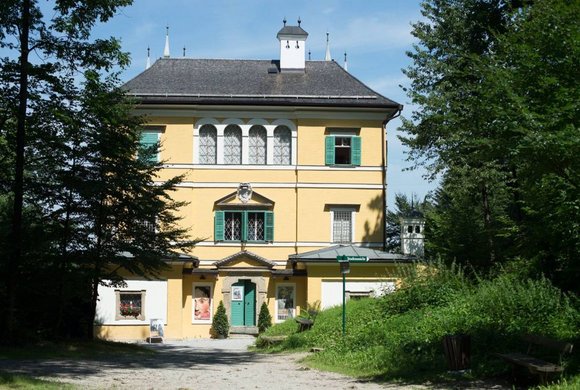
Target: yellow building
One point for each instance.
(285, 170)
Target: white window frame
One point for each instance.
(211, 294)
(199, 144)
(259, 129)
(118, 315)
(293, 285)
(352, 211)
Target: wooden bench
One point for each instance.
(536, 365)
(304, 324)
(268, 341)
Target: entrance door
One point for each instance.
(244, 303)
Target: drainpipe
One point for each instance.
(393, 115)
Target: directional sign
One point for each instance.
(352, 259)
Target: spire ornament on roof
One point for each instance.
(345, 62)
(284, 21)
(166, 50)
(327, 57)
(184, 51)
(299, 21)
(309, 53)
(148, 65)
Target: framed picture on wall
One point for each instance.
(237, 293)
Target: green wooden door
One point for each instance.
(250, 304)
(244, 303)
(238, 304)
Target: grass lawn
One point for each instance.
(10, 381)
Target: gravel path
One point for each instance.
(194, 364)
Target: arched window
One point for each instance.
(282, 145)
(233, 145)
(257, 150)
(207, 144)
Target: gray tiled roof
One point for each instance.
(250, 82)
(292, 30)
(331, 253)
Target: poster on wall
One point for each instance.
(202, 303)
(237, 293)
(155, 328)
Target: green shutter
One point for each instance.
(355, 150)
(149, 145)
(329, 150)
(149, 140)
(269, 226)
(218, 232)
(244, 237)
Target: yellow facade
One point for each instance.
(280, 177)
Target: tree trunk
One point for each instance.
(487, 223)
(16, 231)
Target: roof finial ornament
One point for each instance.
(184, 50)
(284, 21)
(166, 50)
(309, 53)
(299, 21)
(327, 57)
(148, 65)
(345, 62)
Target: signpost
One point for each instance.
(344, 262)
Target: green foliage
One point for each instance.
(497, 98)
(220, 326)
(427, 285)
(11, 381)
(264, 318)
(388, 339)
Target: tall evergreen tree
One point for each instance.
(498, 117)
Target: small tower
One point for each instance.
(166, 50)
(327, 57)
(292, 47)
(412, 233)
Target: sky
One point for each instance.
(375, 34)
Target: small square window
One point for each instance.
(130, 305)
(342, 225)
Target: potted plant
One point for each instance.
(264, 318)
(220, 326)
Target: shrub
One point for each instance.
(264, 318)
(425, 285)
(220, 326)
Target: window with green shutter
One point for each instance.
(149, 146)
(247, 225)
(342, 150)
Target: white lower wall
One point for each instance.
(155, 302)
(332, 290)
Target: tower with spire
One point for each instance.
(166, 53)
(327, 57)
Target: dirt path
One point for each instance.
(196, 364)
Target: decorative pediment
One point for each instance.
(244, 196)
(244, 259)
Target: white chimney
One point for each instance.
(292, 47)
